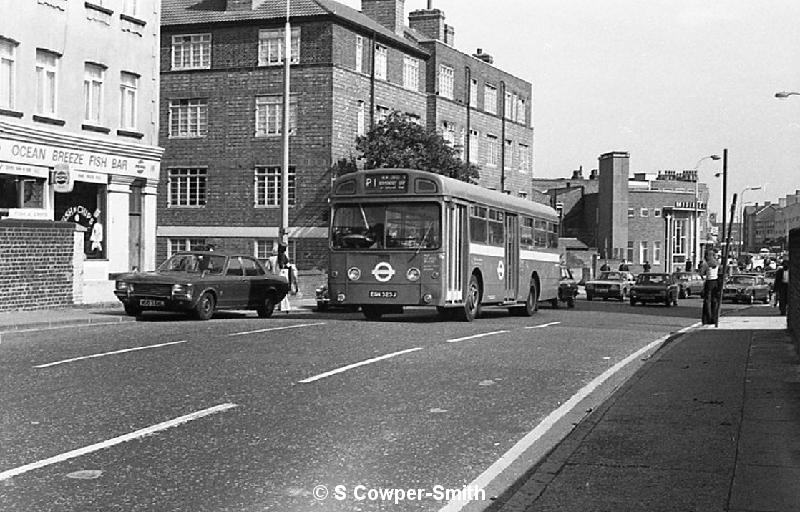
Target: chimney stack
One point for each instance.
(429, 23)
(485, 57)
(389, 13)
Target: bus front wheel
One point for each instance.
(472, 303)
(372, 312)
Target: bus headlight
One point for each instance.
(412, 274)
(354, 273)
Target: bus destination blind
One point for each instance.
(390, 182)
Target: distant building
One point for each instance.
(221, 105)
(768, 225)
(78, 143)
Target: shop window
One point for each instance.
(20, 192)
(85, 206)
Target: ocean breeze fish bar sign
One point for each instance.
(37, 154)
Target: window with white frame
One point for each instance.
(492, 151)
(474, 145)
(271, 43)
(510, 104)
(644, 252)
(657, 253)
(629, 254)
(631, 213)
(361, 118)
(188, 118)
(520, 112)
(679, 242)
(381, 113)
(187, 187)
(490, 98)
(93, 79)
(380, 62)
(128, 86)
(268, 186)
(8, 73)
(176, 245)
(644, 212)
(509, 155)
(191, 51)
(473, 93)
(46, 82)
(359, 54)
(410, 73)
(446, 78)
(269, 112)
(524, 158)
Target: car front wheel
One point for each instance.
(132, 310)
(204, 309)
(265, 310)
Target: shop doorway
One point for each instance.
(135, 228)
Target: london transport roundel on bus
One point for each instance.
(501, 270)
(383, 271)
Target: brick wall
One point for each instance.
(793, 312)
(36, 264)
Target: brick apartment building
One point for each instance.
(78, 143)
(221, 105)
(640, 218)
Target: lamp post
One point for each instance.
(283, 232)
(696, 210)
(741, 217)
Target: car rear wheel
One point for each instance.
(204, 309)
(633, 301)
(266, 309)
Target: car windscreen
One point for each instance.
(652, 279)
(609, 276)
(743, 280)
(398, 226)
(198, 263)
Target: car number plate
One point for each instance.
(150, 303)
(375, 294)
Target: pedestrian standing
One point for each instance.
(710, 289)
(781, 286)
(605, 266)
(646, 266)
(284, 269)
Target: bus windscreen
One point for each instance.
(398, 226)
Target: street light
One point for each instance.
(696, 212)
(786, 94)
(741, 217)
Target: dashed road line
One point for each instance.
(356, 365)
(5, 475)
(474, 336)
(542, 325)
(268, 329)
(124, 350)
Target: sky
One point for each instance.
(668, 81)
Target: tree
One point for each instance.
(398, 141)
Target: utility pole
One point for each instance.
(283, 232)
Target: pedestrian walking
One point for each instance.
(710, 289)
(287, 269)
(781, 286)
(646, 266)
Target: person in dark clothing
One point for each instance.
(624, 266)
(781, 286)
(710, 289)
(646, 266)
(605, 267)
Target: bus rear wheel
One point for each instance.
(472, 302)
(531, 303)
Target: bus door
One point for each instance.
(512, 256)
(455, 229)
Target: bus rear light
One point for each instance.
(354, 273)
(340, 297)
(427, 298)
(412, 274)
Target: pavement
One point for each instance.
(710, 422)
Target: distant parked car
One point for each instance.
(655, 287)
(610, 284)
(567, 289)
(201, 283)
(689, 283)
(746, 288)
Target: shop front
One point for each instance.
(107, 189)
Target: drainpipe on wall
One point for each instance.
(468, 94)
(503, 137)
(372, 82)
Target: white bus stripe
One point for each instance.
(92, 356)
(274, 329)
(493, 471)
(487, 250)
(5, 475)
(456, 340)
(356, 365)
(539, 256)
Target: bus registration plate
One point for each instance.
(383, 294)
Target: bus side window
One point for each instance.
(477, 224)
(526, 233)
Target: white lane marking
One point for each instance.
(274, 329)
(66, 326)
(5, 475)
(456, 340)
(109, 353)
(484, 479)
(356, 365)
(542, 325)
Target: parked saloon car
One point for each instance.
(655, 287)
(567, 289)
(201, 283)
(747, 288)
(610, 284)
(689, 283)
